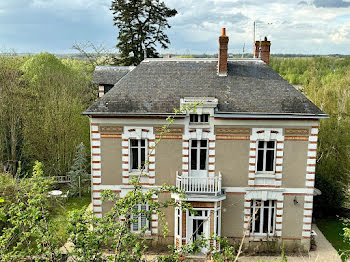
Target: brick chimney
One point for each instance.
(262, 50)
(222, 58)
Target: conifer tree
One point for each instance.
(141, 25)
(78, 170)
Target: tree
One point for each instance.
(53, 122)
(12, 108)
(141, 25)
(26, 230)
(78, 172)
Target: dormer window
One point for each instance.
(194, 118)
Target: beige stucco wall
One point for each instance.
(169, 216)
(232, 214)
(292, 224)
(111, 161)
(232, 160)
(294, 163)
(168, 160)
(106, 206)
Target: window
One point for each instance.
(194, 118)
(107, 88)
(199, 150)
(140, 222)
(263, 217)
(266, 156)
(137, 153)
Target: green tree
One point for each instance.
(78, 172)
(27, 231)
(53, 122)
(12, 108)
(141, 25)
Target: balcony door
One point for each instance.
(199, 158)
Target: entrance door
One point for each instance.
(199, 227)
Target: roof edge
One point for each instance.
(219, 114)
(271, 115)
(130, 114)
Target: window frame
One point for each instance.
(139, 220)
(198, 155)
(139, 147)
(265, 149)
(199, 118)
(272, 207)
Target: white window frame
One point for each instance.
(139, 220)
(139, 147)
(198, 148)
(265, 149)
(271, 219)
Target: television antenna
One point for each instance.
(254, 31)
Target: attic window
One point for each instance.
(194, 118)
(107, 88)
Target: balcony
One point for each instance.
(199, 185)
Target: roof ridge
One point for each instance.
(147, 60)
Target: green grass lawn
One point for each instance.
(61, 213)
(332, 228)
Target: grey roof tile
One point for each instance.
(156, 86)
(109, 75)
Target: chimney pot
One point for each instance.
(222, 56)
(223, 31)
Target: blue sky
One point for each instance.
(301, 26)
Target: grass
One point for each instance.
(61, 213)
(332, 229)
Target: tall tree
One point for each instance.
(141, 25)
(12, 107)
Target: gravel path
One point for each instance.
(324, 253)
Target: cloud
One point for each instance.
(331, 3)
(341, 35)
(302, 3)
(292, 26)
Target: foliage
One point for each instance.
(86, 235)
(227, 252)
(27, 231)
(60, 214)
(79, 175)
(141, 25)
(41, 100)
(12, 93)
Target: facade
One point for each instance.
(245, 158)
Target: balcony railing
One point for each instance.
(199, 185)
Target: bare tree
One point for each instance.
(96, 54)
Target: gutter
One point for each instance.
(110, 114)
(216, 115)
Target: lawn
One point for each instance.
(332, 229)
(61, 212)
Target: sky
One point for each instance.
(294, 27)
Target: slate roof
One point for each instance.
(156, 86)
(109, 75)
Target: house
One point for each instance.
(246, 157)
